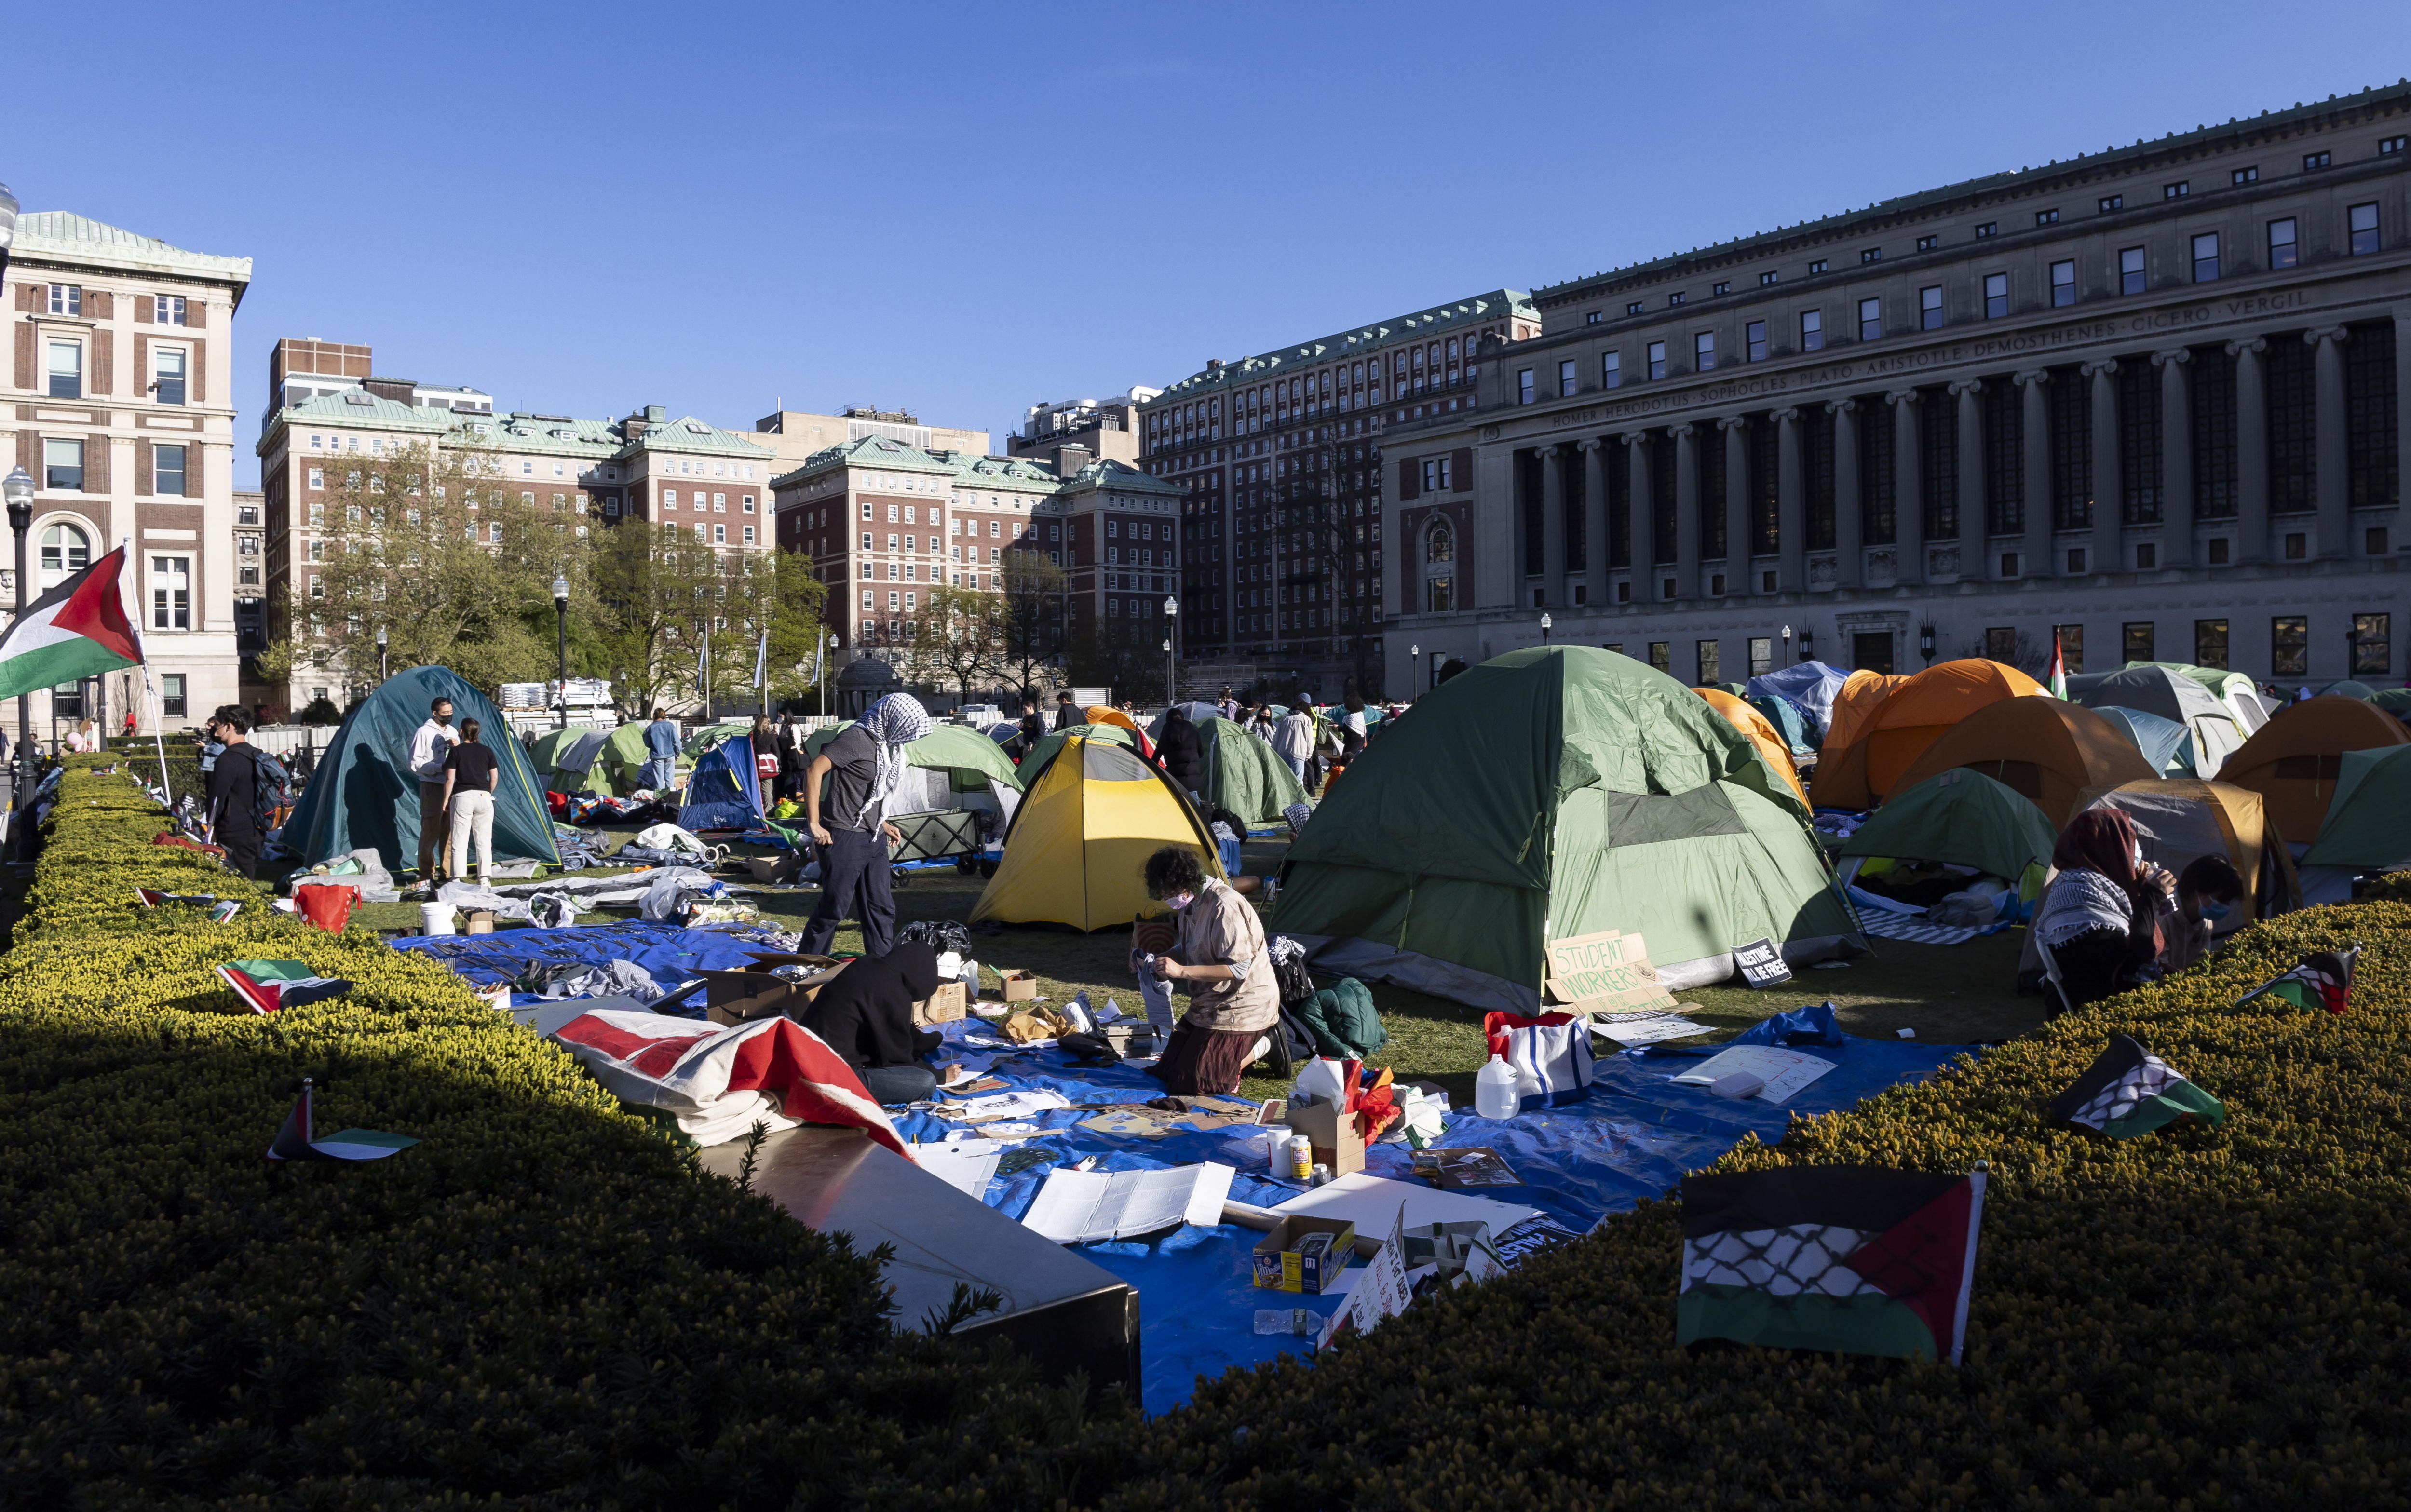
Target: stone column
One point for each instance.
(1974, 516)
(2108, 554)
(1908, 487)
(2035, 466)
(1737, 573)
(1790, 503)
(1644, 519)
(1594, 455)
(2176, 458)
(1850, 533)
(1553, 526)
(2251, 451)
(2334, 469)
(1687, 511)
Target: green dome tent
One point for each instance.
(363, 794)
(570, 760)
(1548, 794)
(2369, 820)
(1242, 774)
(1960, 816)
(621, 761)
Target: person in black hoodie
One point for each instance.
(235, 824)
(865, 1015)
(1181, 754)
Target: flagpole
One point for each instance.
(158, 717)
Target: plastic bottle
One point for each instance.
(1494, 1090)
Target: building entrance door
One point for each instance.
(1872, 652)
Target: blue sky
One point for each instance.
(962, 210)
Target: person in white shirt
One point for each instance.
(1293, 736)
(430, 744)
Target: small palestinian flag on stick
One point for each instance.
(265, 986)
(1856, 1259)
(2128, 1091)
(77, 630)
(294, 1142)
(2322, 981)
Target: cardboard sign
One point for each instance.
(1380, 1292)
(1761, 963)
(1605, 973)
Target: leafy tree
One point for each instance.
(962, 636)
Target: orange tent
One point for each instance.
(1910, 718)
(2293, 762)
(1853, 703)
(2049, 749)
(1761, 734)
(1108, 713)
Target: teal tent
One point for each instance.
(1788, 720)
(2165, 744)
(363, 795)
(2369, 820)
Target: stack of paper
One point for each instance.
(1785, 1071)
(1075, 1207)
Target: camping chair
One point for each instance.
(2054, 992)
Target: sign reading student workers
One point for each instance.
(1605, 973)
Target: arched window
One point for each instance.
(65, 551)
(1440, 542)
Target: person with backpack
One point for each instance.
(238, 818)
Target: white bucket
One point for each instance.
(435, 918)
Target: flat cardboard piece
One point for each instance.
(1373, 1203)
(1605, 973)
(948, 1003)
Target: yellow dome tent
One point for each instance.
(1077, 850)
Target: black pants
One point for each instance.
(892, 1084)
(242, 851)
(854, 885)
(2092, 963)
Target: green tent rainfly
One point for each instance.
(1549, 794)
(1963, 817)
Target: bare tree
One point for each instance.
(962, 636)
(2015, 648)
(1032, 638)
(1326, 544)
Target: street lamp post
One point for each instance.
(18, 488)
(1925, 641)
(382, 664)
(1787, 645)
(1545, 623)
(561, 626)
(821, 692)
(1804, 653)
(1171, 656)
(1416, 660)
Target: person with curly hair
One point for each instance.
(1220, 960)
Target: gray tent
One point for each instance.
(2173, 696)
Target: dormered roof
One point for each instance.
(967, 468)
(1422, 324)
(1119, 477)
(69, 236)
(359, 407)
(524, 432)
(689, 434)
(2053, 175)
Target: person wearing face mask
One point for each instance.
(1220, 960)
(2207, 891)
(2106, 914)
(430, 745)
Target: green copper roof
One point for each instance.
(1119, 477)
(689, 434)
(57, 232)
(1422, 324)
(967, 468)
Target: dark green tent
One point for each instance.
(363, 795)
(1545, 794)
(1963, 817)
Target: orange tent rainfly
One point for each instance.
(2043, 747)
(1910, 718)
(1761, 734)
(2294, 760)
(1861, 693)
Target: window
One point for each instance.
(748, 536)
(2283, 250)
(1870, 319)
(1634, 308)
(1816, 267)
(65, 551)
(1927, 244)
(2176, 191)
(1567, 381)
(2009, 565)
(2219, 557)
(1754, 341)
(2046, 217)
(1657, 360)
(171, 696)
(2205, 257)
(2289, 646)
(2147, 556)
(1720, 291)
(1524, 386)
(2298, 545)
(2362, 222)
(2373, 653)
(1871, 255)
(67, 299)
(246, 514)
(167, 374)
(1711, 654)
(2373, 541)
(1659, 656)
(1703, 351)
(1761, 654)
(1989, 229)
(1594, 317)
(1674, 298)
(2110, 202)
(2130, 270)
(2210, 643)
(2317, 160)
(1610, 370)
(171, 593)
(168, 470)
(65, 370)
(1812, 330)
(2076, 559)
(62, 463)
(2071, 647)
(2137, 639)
(1769, 277)
(1996, 296)
(167, 310)
(2243, 176)
(1929, 308)
(2391, 145)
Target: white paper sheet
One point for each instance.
(1785, 1071)
(1647, 1031)
(965, 1165)
(1371, 1203)
(1025, 1103)
(1077, 1206)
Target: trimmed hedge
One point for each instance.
(543, 1301)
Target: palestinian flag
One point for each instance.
(294, 1142)
(2128, 1091)
(1855, 1259)
(2058, 679)
(77, 630)
(265, 986)
(2322, 981)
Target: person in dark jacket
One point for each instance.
(233, 820)
(1067, 713)
(1181, 754)
(865, 1015)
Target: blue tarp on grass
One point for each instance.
(669, 952)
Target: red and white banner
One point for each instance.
(718, 1082)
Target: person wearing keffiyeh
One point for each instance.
(863, 765)
(2105, 915)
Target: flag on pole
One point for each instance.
(2058, 668)
(762, 660)
(77, 630)
(297, 1142)
(2128, 1091)
(2324, 980)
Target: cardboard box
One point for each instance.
(776, 870)
(1338, 1146)
(1018, 986)
(751, 993)
(1133, 1038)
(1279, 1265)
(478, 922)
(950, 1002)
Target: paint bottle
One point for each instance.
(1301, 1158)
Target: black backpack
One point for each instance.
(272, 785)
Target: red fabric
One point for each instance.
(1497, 1026)
(558, 803)
(95, 611)
(170, 837)
(1921, 1262)
(812, 1083)
(328, 907)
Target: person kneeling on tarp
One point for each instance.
(865, 1014)
(1220, 960)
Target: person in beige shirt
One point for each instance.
(1220, 960)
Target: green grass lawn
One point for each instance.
(1948, 994)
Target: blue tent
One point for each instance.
(363, 794)
(722, 794)
(1788, 720)
(2165, 744)
(1811, 685)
